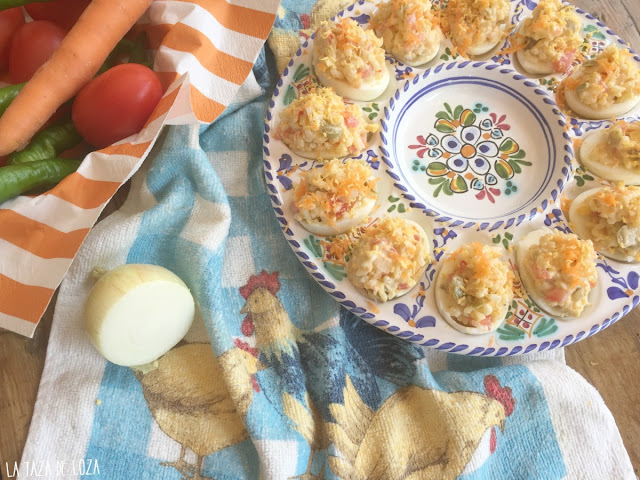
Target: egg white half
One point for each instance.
(369, 90)
(533, 64)
(416, 277)
(422, 59)
(528, 281)
(356, 216)
(436, 38)
(586, 111)
(441, 300)
(591, 162)
(579, 225)
(317, 155)
(481, 48)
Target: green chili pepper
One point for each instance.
(7, 4)
(135, 51)
(18, 179)
(47, 144)
(139, 52)
(8, 94)
(123, 47)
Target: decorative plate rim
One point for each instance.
(412, 334)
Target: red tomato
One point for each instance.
(62, 12)
(10, 21)
(116, 104)
(32, 45)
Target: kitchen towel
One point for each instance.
(274, 380)
(204, 50)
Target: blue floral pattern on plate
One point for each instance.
(413, 316)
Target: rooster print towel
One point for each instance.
(274, 380)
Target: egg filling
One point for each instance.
(477, 287)
(551, 38)
(389, 258)
(321, 125)
(598, 86)
(349, 57)
(409, 29)
(610, 218)
(476, 26)
(621, 147)
(563, 270)
(337, 195)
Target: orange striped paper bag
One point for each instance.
(204, 51)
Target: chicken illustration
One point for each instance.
(416, 433)
(191, 402)
(312, 367)
(309, 424)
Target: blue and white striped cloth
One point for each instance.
(274, 381)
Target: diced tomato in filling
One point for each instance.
(461, 267)
(556, 295)
(540, 273)
(564, 62)
(342, 207)
(368, 72)
(350, 120)
(486, 321)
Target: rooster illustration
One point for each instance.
(312, 367)
(191, 402)
(416, 433)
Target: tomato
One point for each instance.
(116, 104)
(32, 45)
(10, 21)
(62, 12)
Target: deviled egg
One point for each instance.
(474, 288)
(409, 29)
(335, 197)
(614, 153)
(476, 26)
(610, 218)
(551, 38)
(558, 270)
(604, 87)
(389, 258)
(321, 125)
(350, 60)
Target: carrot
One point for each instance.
(71, 67)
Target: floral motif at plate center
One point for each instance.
(469, 154)
(477, 148)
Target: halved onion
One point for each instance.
(136, 313)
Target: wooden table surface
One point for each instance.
(609, 360)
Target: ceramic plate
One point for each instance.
(472, 151)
